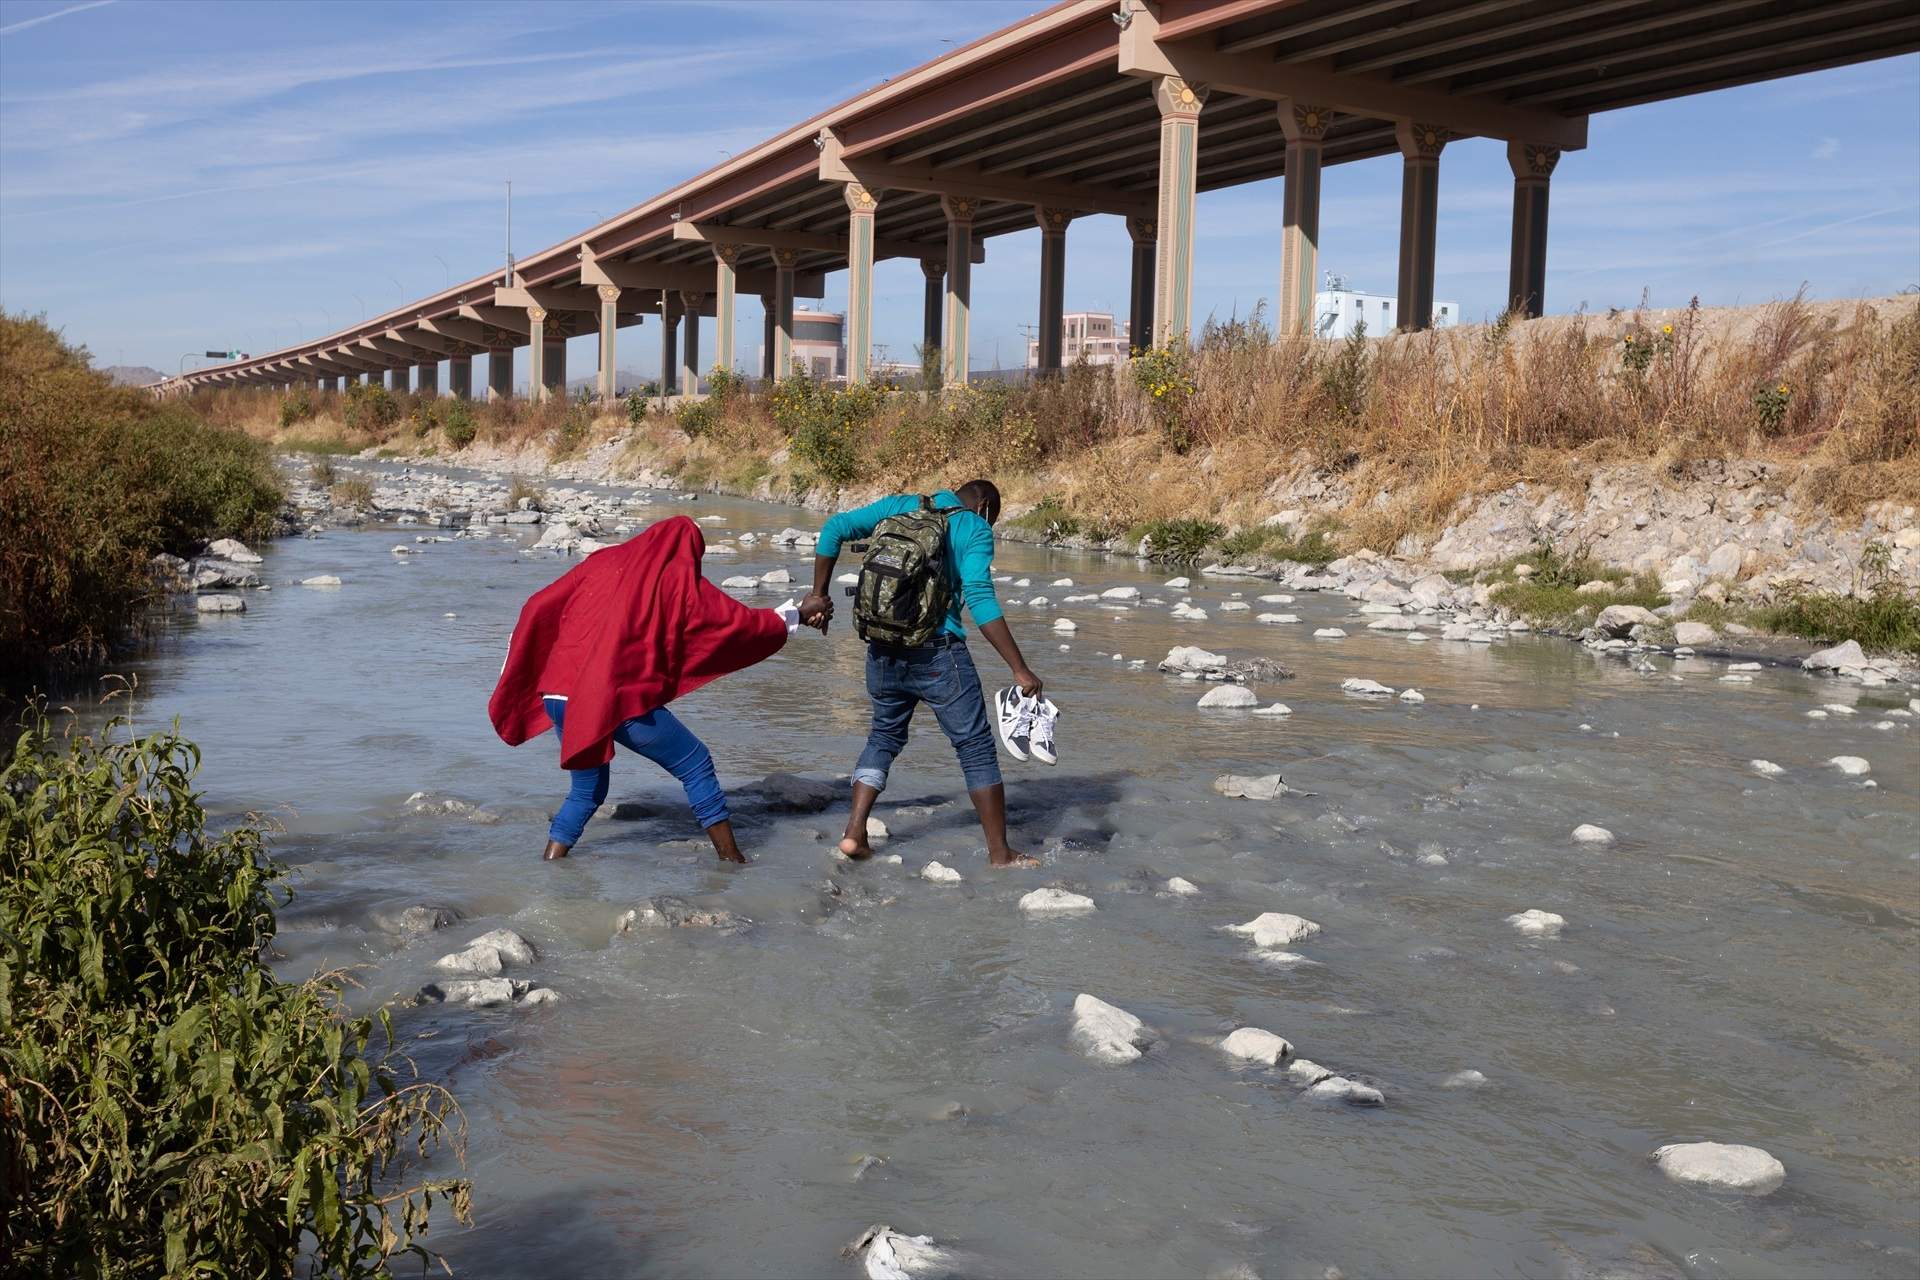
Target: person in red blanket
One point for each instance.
(598, 655)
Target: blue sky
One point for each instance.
(181, 175)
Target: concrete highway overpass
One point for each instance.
(1123, 107)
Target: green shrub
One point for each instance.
(1177, 541)
(1349, 378)
(1555, 600)
(1165, 376)
(724, 384)
(458, 424)
(321, 473)
(573, 429)
(370, 407)
(697, 417)
(1882, 613)
(170, 1107)
(1050, 519)
(825, 424)
(354, 491)
(520, 491)
(95, 479)
(1315, 546)
(297, 407)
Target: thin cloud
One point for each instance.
(12, 27)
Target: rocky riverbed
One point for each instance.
(1551, 958)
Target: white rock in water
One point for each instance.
(1587, 833)
(1105, 1032)
(1181, 886)
(1275, 929)
(1365, 688)
(323, 580)
(1766, 768)
(219, 604)
(1305, 1072)
(1720, 1166)
(1535, 923)
(1178, 584)
(876, 830)
(1329, 633)
(1023, 582)
(1736, 679)
(481, 993)
(1816, 714)
(1120, 593)
(1054, 902)
(1234, 606)
(1351, 1092)
(940, 873)
(1743, 666)
(1839, 708)
(1229, 695)
(1274, 709)
(1191, 657)
(1412, 695)
(1398, 622)
(1277, 619)
(1468, 1079)
(1617, 620)
(1838, 658)
(740, 583)
(1038, 602)
(231, 549)
(1236, 787)
(1852, 766)
(1280, 598)
(1065, 624)
(1251, 1044)
(886, 1254)
(1694, 633)
(778, 577)
(489, 955)
(1061, 582)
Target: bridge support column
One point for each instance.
(1420, 146)
(460, 377)
(1144, 233)
(499, 374)
(690, 308)
(669, 343)
(724, 257)
(397, 380)
(1053, 284)
(932, 304)
(1306, 130)
(536, 354)
(554, 367)
(954, 355)
(862, 204)
(1527, 270)
(326, 384)
(1180, 105)
(766, 337)
(607, 387)
(783, 263)
(427, 378)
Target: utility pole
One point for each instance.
(508, 282)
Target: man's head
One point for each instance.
(980, 497)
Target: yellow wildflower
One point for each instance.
(1667, 329)
(1783, 388)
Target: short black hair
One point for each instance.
(983, 494)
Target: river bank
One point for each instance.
(862, 1044)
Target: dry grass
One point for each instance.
(1397, 430)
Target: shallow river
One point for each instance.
(1741, 965)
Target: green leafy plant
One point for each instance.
(1348, 379)
(697, 417)
(637, 404)
(1177, 541)
(1770, 404)
(321, 473)
(523, 491)
(169, 1107)
(458, 424)
(1165, 376)
(297, 407)
(1315, 546)
(370, 407)
(353, 491)
(723, 385)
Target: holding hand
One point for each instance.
(1028, 682)
(816, 611)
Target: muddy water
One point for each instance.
(1740, 965)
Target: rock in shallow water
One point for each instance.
(1055, 902)
(1852, 766)
(886, 1254)
(1105, 1032)
(485, 993)
(1364, 688)
(1468, 1079)
(1765, 768)
(1251, 1044)
(1183, 887)
(415, 921)
(1587, 833)
(1720, 1166)
(1275, 929)
(1229, 696)
(1535, 923)
(220, 604)
(1235, 786)
(940, 873)
(1351, 1092)
(489, 955)
(670, 912)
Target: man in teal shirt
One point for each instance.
(940, 674)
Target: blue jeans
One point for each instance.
(942, 676)
(661, 738)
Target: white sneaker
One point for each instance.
(1040, 741)
(1015, 714)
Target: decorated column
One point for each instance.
(1144, 233)
(1420, 146)
(536, 354)
(1053, 283)
(608, 386)
(953, 355)
(783, 262)
(1180, 105)
(1306, 130)
(555, 364)
(691, 305)
(427, 378)
(397, 380)
(499, 374)
(669, 334)
(1532, 166)
(460, 377)
(724, 258)
(861, 206)
(935, 272)
(766, 337)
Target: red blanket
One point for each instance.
(626, 631)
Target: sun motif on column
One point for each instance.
(727, 253)
(960, 208)
(859, 198)
(1310, 122)
(537, 314)
(1143, 228)
(1541, 160)
(785, 258)
(1176, 97)
(1056, 219)
(609, 293)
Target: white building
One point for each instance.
(1093, 336)
(1338, 311)
(819, 344)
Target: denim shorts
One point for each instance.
(941, 675)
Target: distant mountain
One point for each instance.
(133, 375)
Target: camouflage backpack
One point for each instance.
(903, 591)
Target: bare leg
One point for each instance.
(854, 843)
(555, 850)
(721, 833)
(991, 804)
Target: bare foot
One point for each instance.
(856, 849)
(1012, 861)
(737, 858)
(554, 850)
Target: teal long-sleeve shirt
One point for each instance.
(969, 552)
